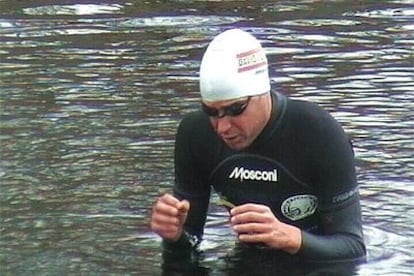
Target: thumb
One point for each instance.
(183, 208)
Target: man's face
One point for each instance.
(239, 130)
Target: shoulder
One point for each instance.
(306, 108)
(193, 118)
(195, 145)
(194, 122)
(315, 126)
(195, 130)
(311, 116)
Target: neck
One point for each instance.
(269, 106)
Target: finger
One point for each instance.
(183, 206)
(166, 226)
(253, 237)
(160, 208)
(251, 228)
(166, 204)
(249, 207)
(248, 217)
(168, 199)
(165, 219)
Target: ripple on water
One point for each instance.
(92, 94)
(177, 21)
(76, 9)
(385, 253)
(395, 13)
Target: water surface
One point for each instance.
(91, 95)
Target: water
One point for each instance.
(91, 95)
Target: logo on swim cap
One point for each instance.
(233, 66)
(299, 206)
(251, 60)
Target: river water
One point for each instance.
(92, 92)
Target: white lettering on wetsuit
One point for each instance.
(242, 174)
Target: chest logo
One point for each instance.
(299, 206)
(242, 174)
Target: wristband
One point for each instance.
(185, 241)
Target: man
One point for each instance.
(285, 168)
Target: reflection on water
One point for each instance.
(91, 95)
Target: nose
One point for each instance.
(222, 125)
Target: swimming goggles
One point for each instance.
(232, 110)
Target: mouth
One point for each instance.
(230, 139)
(234, 142)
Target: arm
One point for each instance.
(343, 238)
(190, 179)
(339, 234)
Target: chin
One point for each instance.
(236, 146)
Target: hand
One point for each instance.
(168, 217)
(256, 223)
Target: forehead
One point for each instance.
(225, 103)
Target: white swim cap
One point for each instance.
(233, 66)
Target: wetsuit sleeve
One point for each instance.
(340, 233)
(191, 178)
(342, 237)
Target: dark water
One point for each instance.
(91, 95)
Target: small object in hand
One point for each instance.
(222, 201)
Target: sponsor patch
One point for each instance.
(251, 60)
(299, 206)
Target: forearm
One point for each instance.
(194, 225)
(340, 236)
(332, 247)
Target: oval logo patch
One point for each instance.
(299, 206)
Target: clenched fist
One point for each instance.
(168, 217)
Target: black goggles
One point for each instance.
(233, 110)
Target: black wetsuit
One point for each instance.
(301, 166)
